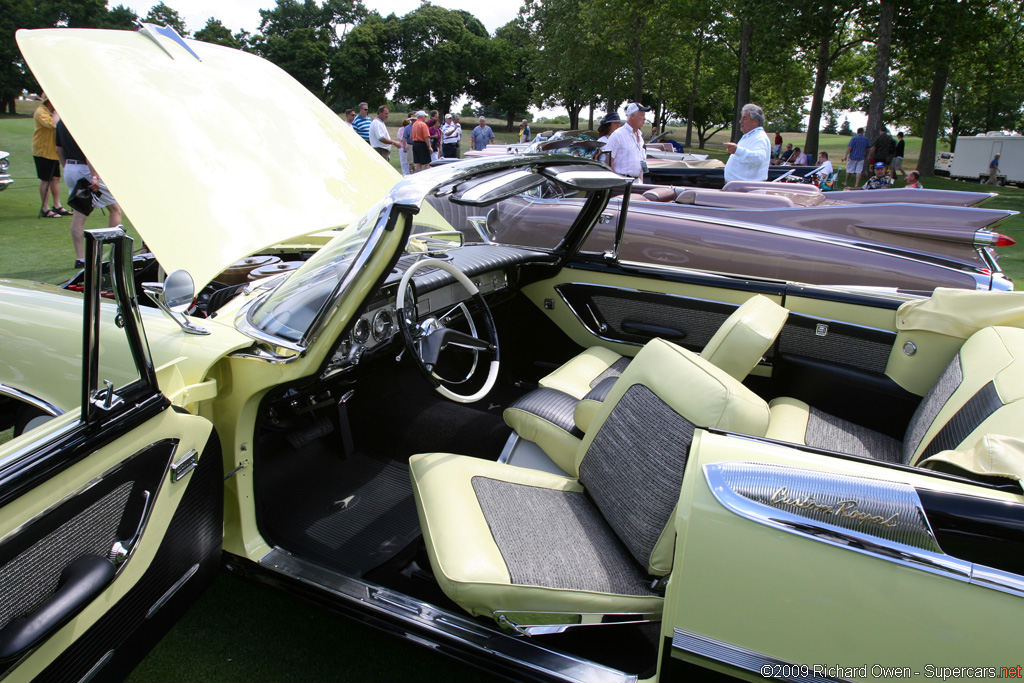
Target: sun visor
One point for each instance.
(586, 177)
(213, 155)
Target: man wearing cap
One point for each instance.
(879, 181)
(749, 157)
(450, 135)
(626, 145)
(421, 147)
(482, 135)
(361, 123)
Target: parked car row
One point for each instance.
(495, 408)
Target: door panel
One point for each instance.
(623, 309)
(111, 512)
(123, 493)
(751, 587)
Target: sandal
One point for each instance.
(49, 214)
(62, 211)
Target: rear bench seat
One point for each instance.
(979, 392)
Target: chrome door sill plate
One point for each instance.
(444, 626)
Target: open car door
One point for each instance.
(110, 511)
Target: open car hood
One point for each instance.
(211, 160)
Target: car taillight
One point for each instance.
(1005, 240)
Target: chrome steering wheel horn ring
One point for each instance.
(446, 335)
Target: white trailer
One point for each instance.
(975, 153)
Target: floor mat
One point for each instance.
(352, 515)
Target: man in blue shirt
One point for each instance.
(361, 123)
(855, 152)
(993, 171)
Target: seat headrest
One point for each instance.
(660, 194)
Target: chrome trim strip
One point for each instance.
(28, 449)
(189, 573)
(889, 518)
(443, 625)
(34, 401)
(997, 579)
(747, 660)
(97, 667)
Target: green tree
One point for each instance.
(571, 69)
(217, 33)
(508, 82)
(845, 128)
(163, 15)
(361, 69)
(120, 18)
(442, 53)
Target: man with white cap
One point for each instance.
(626, 145)
(749, 157)
(450, 135)
(421, 147)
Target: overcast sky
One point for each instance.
(239, 14)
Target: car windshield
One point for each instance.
(290, 309)
(538, 218)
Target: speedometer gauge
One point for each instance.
(382, 325)
(361, 332)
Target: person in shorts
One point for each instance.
(44, 152)
(421, 147)
(76, 167)
(856, 151)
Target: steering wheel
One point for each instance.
(427, 339)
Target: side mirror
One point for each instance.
(174, 296)
(179, 291)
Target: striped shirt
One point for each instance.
(361, 124)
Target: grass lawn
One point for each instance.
(242, 632)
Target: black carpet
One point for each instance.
(352, 515)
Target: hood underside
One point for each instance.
(212, 159)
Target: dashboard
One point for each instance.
(436, 294)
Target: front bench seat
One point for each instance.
(556, 414)
(505, 541)
(979, 392)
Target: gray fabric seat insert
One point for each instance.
(557, 539)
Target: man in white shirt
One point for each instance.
(626, 145)
(450, 135)
(748, 158)
(824, 169)
(379, 139)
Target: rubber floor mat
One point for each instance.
(352, 517)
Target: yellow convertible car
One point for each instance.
(551, 462)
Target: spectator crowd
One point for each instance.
(422, 136)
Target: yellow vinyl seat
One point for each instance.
(531, 548)
(556, 415)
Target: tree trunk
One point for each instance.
(882, 59)
(9, 103)
(743, 80)
(926, 162)
(638, 63)
(693, 89)
(593, 103)
(574, 116)
(818, 98)
(954, 131)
